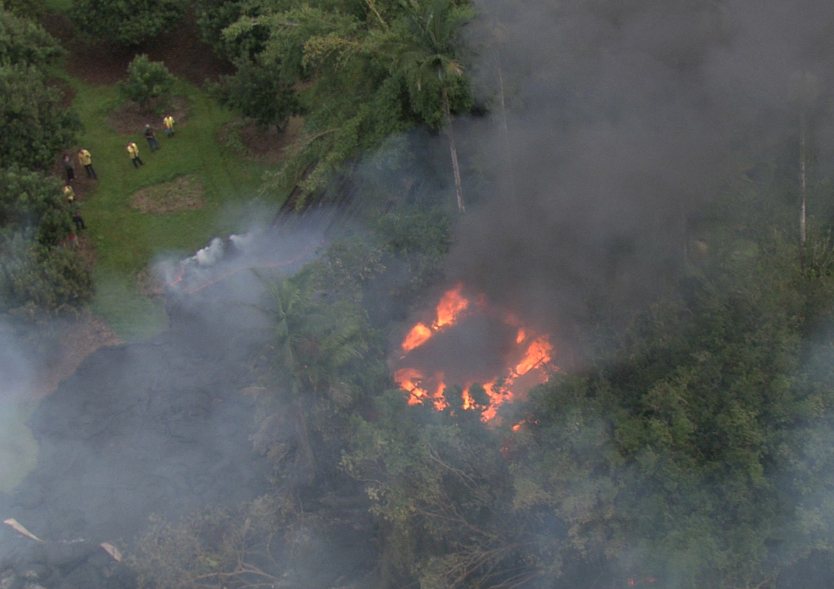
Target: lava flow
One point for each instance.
(469, 342)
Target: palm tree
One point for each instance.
(425, 47)
(312, 344)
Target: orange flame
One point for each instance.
(450, 307)
(412, 380)
(538, 354)
(418, 335)
(408, 378)
(535, 358)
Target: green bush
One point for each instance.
(148, 83)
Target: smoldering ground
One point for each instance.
(621, 124)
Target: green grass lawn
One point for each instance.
(127, 240)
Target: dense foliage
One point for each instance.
(354, 69)
(692, 449)
(38, 271)
(258, 93)
(24, 42)
(126, 22)
(35, 124)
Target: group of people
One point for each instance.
(86, 160)
(153, 144)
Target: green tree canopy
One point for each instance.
(259, 93)
(34, 204)
(36, 125)
(37, 280)
(24, 42)
(38, 273)
(341, 60)
(124, 21)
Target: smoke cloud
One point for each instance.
(621, 121)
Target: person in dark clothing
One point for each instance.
(153, 144)
(68, 167)
(78, 220)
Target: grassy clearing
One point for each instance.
(126, 239)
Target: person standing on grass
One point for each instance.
(133, 150)
(78, 220)
(149, 135)
(169, 126)
(69, 193)
(87, 161)
(68, 167)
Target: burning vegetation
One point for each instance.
(458, 347)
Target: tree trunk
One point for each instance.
(453, 150)
(505, 133)
(305, 462)
(803, 181)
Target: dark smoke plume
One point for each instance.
(622, 120)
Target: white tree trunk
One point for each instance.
(455, 167)
(803, 177)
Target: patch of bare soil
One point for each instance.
(181, 49)
(130, 118)
(149, 284)
(181, 194)
(249, 140)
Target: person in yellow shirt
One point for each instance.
(87, 161)
(69, 193)
(169, 126)
(133, 151)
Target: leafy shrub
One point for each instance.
(148, 83)
(124, 21)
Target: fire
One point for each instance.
(448, 310)
(450, 307)
(418, 335)
(411, 380)
(527, 363)
(538, 354)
